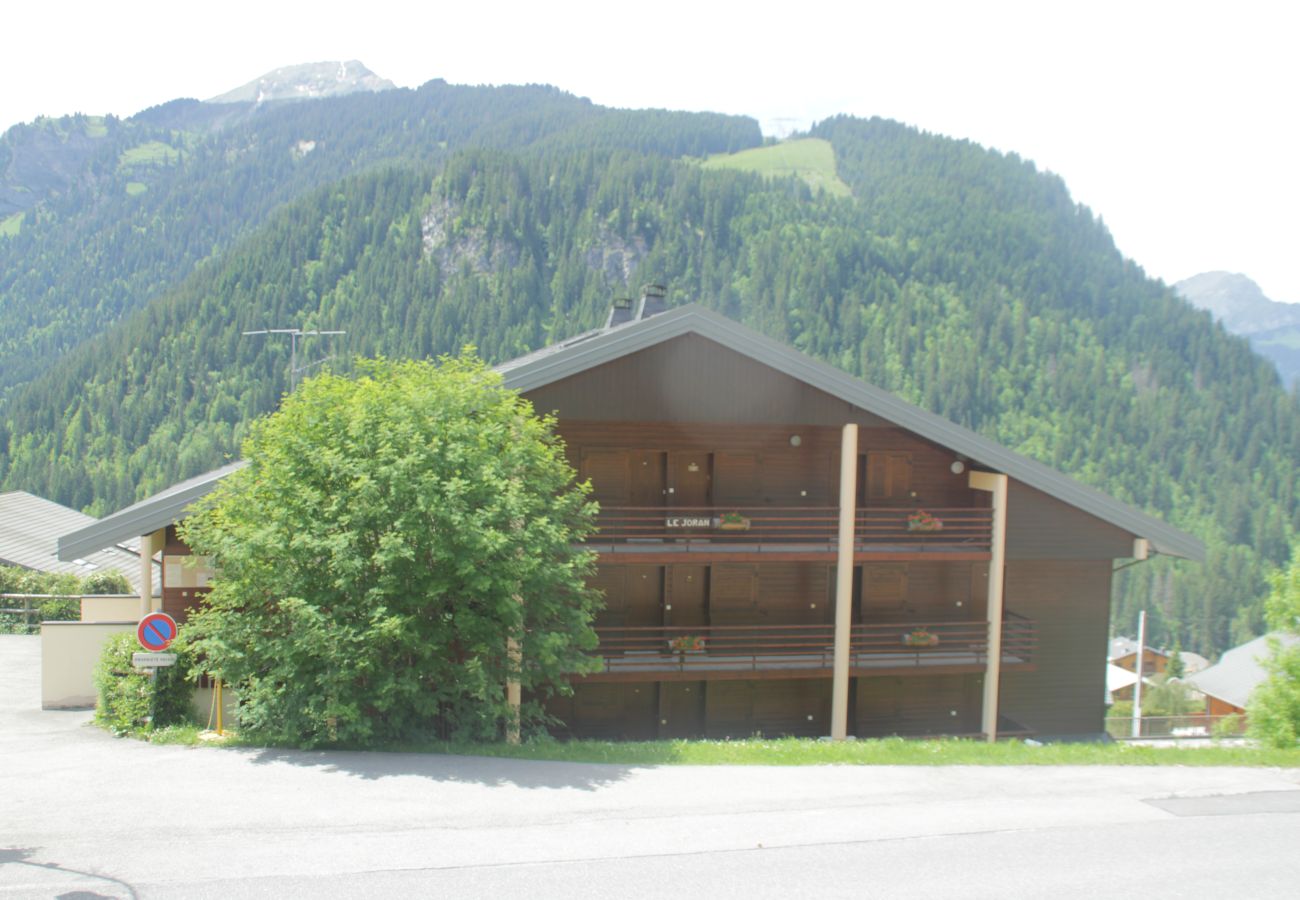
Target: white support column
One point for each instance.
(844, 582)
(997, 486)
(149, 545)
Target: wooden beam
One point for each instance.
(844, 581)
(995, 484)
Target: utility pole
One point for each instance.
(1137, 686)
(294, 335)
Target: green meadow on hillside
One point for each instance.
(812, 159)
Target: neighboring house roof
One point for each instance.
(1117, 679)
(147, 516)
(1121, 647)
(29, 530)
(586, 351)
(1239, 671)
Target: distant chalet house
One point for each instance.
(784, 549)
(1228, 684)
(1123, 653)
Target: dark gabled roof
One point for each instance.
(586, 351)
(552, 364)
(145, 517)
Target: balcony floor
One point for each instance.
(667, 551)
(707, 667)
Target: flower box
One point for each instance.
(920, 638)
(732, 521)
(924, 521)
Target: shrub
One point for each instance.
(390, 536)
(129, 701)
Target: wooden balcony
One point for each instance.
(658, 534)
(807, 651)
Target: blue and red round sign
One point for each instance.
(156, 631)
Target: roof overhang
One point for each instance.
(145, 517)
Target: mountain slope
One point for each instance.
(181, 183)
(960, 278)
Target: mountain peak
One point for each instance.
(307, 81)
(1237, 301)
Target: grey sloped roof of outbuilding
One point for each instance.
(1239, 671)
(29, 531)
(147, 516)
(594, 348)
(551, 364)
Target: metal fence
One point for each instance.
(1175, 727)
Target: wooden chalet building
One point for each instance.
(787, 550)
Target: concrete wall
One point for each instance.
(69, 651)
(110, 608)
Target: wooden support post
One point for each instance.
(997, 485)
(514, 692)
(844, 582)
(147, 550)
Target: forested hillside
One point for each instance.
(131, 210)
(960, 278)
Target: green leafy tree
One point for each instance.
(1274, 708)
(390, 535)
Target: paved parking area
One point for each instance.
(83, 814)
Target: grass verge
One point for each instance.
(879, 752)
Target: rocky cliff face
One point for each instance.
(306, 82)
(1273, 328)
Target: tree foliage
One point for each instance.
(390, 534)
(1274, 708)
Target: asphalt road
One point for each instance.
(85, 815)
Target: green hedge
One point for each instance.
(129, 701)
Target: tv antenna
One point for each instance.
(294, 335)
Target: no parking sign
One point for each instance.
(156, 631)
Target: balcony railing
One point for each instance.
(794, 528)
(883, 645)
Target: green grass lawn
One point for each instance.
(803, 752)
(811, 159)
(11, 225)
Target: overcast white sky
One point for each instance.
(1176, 122)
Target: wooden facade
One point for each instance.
(718, 479)
(980, 581)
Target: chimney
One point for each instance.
(620, 312)
(654, 300)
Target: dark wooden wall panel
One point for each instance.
(692, 379)
(740, 709)
(928, 590)
(609, 712)
(921, 705)
(755, 465)
(1070, 601)
(794, 593)
(681, 709)
(1042, 527)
